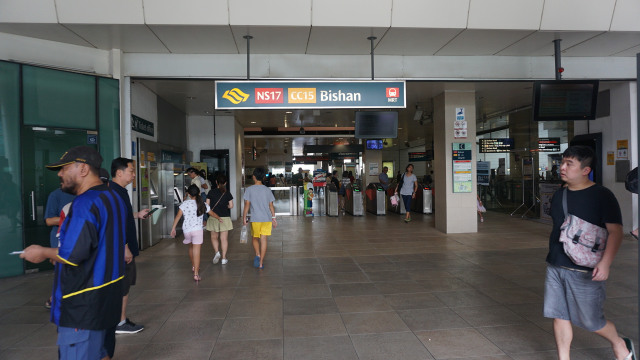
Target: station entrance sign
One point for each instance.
(231, 95)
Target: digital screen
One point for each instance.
(496, 145)
(374, 144)
(549, 144)
(565, 100)
(376, 124)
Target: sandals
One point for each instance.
(196, 278)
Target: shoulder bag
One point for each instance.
(583, 242)
(400, 184)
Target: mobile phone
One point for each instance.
(16, 252)
(151, 212)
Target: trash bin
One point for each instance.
(427, 200)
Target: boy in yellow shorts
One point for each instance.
(259, 199)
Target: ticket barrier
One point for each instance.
(331, 195)
(423, 201)
(353, 200)
(396, 209)
(376, 199)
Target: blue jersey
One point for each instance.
(87, 292)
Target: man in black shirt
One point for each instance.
(575, 294)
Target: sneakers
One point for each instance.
(128, 328)
(216, 258)
(47, 304)
(225, 261)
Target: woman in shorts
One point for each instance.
(193, 210)
(219, 224)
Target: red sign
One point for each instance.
(269, 96)
(393, 92)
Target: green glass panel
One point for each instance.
(58, 98)
(10, 201)
(109, 120)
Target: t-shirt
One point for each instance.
(55, 202)
(384, 180)
(132, 233)
(87, 291)
(595, 204)
(259, 197)
(408, 184)
(222, 207)
(192, 221)
(196, 181)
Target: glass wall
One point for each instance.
(10, 184)
(45, 102)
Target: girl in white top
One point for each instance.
(409, 186)
(193, 210)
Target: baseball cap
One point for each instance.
(82, 154)
(104, 175)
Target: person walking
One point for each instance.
(575, 294)
(87, 299)
(221, 202)
(259, 199)
(342, 191)
(193, 209)
(408, 187)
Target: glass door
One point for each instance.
(42, 146)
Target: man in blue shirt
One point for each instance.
(384, 178)
(87, 292)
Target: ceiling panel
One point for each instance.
(450, 14)
(100, 12)
(606, 44)
(350, 13)
(630, 52)
(270, 13)
(626, 16)
(51, 32)
(342, 41)
(128, 38)
(272, 40)
(34, 11)
(541, 43)
(481, 42)
(412, 41)
(588, 15)
(505, 14)
(192, 12)
(196, 39)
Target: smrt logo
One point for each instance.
(235, 95)
(393, 92)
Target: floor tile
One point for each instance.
(251, 329)
(310, 306)
(373, 322)
(402, 345)
(313, 325)
(457, 343)
(432, 319)
(333, 347)
(188, 331)
(365, 303)
(271, 349)
(304, 291)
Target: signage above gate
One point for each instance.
(232, 95)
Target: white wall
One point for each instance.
(144, 104)
(229, 134)
(620, 125)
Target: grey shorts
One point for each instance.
(572, 295)
(130, 276)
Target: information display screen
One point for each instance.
(374, 144)
(565, 100)
(549, 144)
(496, 145)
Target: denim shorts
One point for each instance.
(78, 344)
(572, 295)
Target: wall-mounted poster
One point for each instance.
(462, 181)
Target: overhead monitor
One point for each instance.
(376, 124)
(565, 100)
(496, 145)
(374, 145)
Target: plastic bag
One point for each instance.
(244, 235)
(394, 200)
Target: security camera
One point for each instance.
(301, 131)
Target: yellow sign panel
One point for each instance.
(610, 158)
(302, 95)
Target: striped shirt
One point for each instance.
(87, 292)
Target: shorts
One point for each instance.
(193, 237)
(215, 225)
(130, 276)
(261, 228)
(572, 295)
(80, 344)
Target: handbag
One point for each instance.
(400, 183)
(631, 183)
(583, 242)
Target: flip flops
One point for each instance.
(632, 351)
(256, 262)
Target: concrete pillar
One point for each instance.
(371, 157)
(454, 212)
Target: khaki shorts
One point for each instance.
(215, 225)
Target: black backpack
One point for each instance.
(631, 183)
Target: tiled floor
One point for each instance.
(341, 288)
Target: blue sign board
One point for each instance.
(309, 94)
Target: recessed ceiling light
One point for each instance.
(289, 112)
(399, 128)
(191, 97)
(253, 122)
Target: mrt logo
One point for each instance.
(393, 92)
